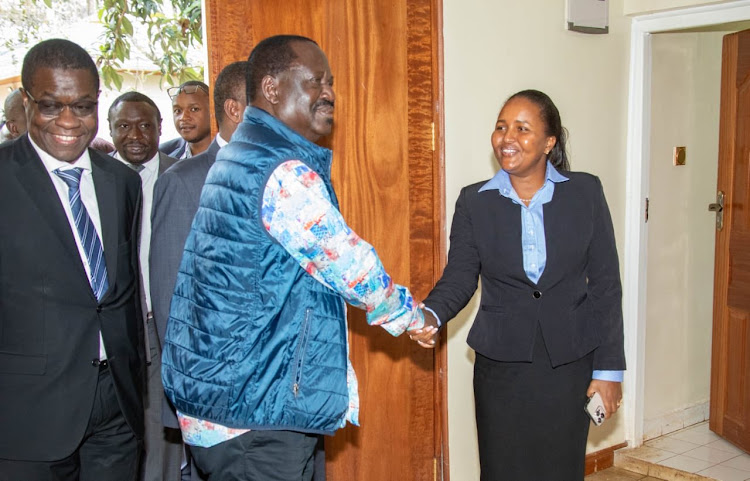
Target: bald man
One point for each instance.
(15, 116)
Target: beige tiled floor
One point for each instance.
(617, 474)
(695, 450)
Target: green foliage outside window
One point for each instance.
(162, 31)
(170, 36)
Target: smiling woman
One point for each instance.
(549, 329)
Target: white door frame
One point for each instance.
(637, 187)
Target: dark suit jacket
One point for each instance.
(577, 301)
(165, 162)
(173, 148)
(176, 197)
(49, 317)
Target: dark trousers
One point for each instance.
(259, 456)
(319, 463)
(162, 455)
(531, 425)
(109, 450)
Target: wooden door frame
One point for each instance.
(440, 241)
(637, 187)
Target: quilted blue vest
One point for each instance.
(253, 341)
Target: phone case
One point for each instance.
(594, 407)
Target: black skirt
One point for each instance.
(530, 419)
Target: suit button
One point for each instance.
(537, 294)
(95, 362)
(98, 309)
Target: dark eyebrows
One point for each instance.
(516, 122)
(52, 98)
(191, 104)
(319, 75)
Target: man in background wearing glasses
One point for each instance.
(192, 119)
(71, 338)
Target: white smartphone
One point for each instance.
(594, 407)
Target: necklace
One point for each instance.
(526, 201)
(529, 199)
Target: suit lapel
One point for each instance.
(556, 222)
(106, 197)
(165, 162)
(35, 179)
(214, 147)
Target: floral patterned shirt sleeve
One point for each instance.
(298, 212)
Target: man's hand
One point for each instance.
(427, 335)
(611, 393)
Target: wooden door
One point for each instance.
(387, 172)
(730, 359)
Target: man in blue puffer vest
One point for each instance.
(256, 352)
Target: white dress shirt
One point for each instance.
(148, 180)
(88, 197)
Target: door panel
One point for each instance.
(730, 367)
(387, 172)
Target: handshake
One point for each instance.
(427, 334)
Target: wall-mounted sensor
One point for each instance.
(588, 16)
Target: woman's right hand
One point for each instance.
(427, 335)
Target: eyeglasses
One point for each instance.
(188, 89)
(52, 108)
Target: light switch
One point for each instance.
(679, 156)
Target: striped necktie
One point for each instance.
(92, 246)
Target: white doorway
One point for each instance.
(650, 174)
(685, 98)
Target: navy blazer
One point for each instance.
(174, 147)
(578, 299)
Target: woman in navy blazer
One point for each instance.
(549, 332)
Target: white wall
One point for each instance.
(493, 49)
(640, 7)
(686, 85)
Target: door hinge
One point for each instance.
(433, 136)
(646, 212)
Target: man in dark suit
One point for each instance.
(135, 126)
(177, 193)
(192, 119)
(71, 340)
(176, 200)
